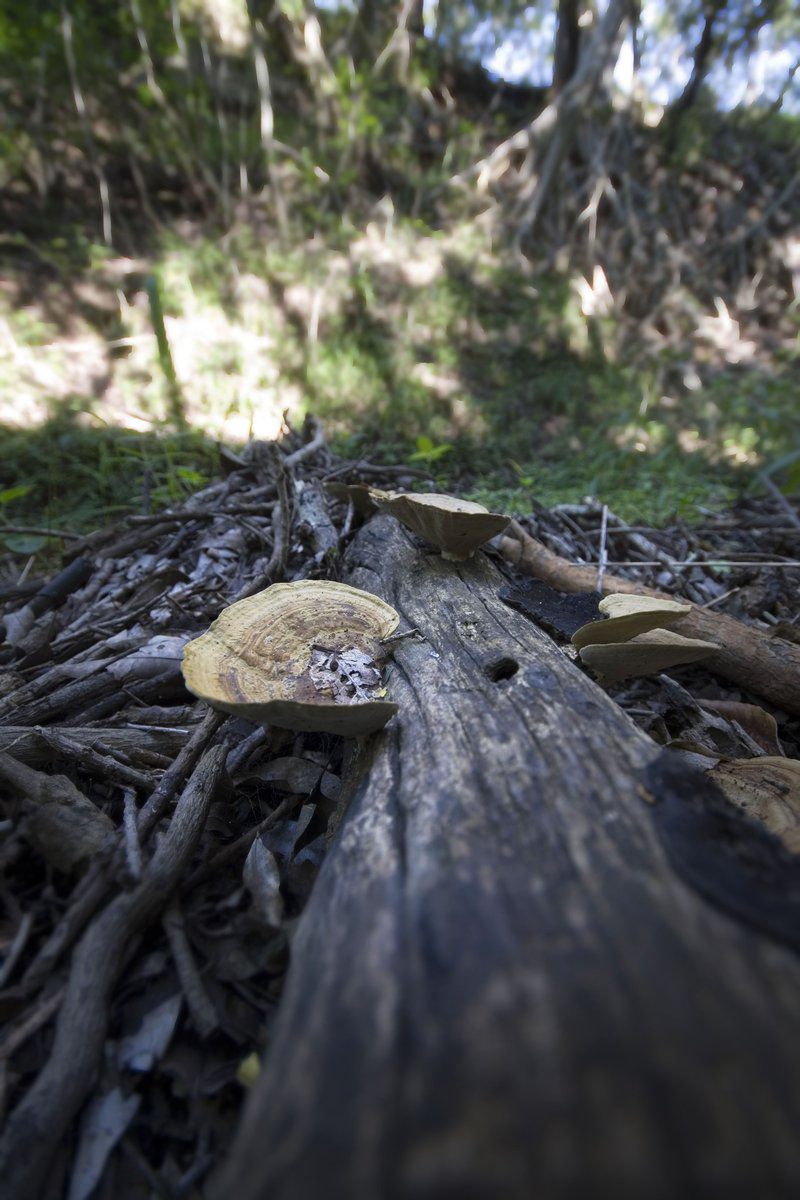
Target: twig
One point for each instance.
(394, 638)
(19, 623)
(32, 1024)
(37, 531)
(103, 765)
(282, 526)
(71, 698)
(151, 812)
(317, 442)
(199, 1002)
(240, 754)
(746, 654)
(718, 599)
(603, 562)
(348, 521)
(699, 562)
(25, 742)
(93, 888)
(133, 849)
(240, 847)
(15, 949)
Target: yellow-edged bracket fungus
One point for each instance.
(627, 616)
(305, 656)
(633, 639)
(457, 527)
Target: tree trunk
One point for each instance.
(565, 56)
(597, 57)
(549, 137)
(375, 23)
(701, 60)
(499, 987)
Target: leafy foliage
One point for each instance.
(215, 212)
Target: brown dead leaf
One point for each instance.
(760, 725)
(297, 775)
(788, 630)
(344, 675)
(56, 816)
(686, 725)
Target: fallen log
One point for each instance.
(747, 655)
(500, 986)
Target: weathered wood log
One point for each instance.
(500, 987)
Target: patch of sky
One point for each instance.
(760, 75)
(525, 55)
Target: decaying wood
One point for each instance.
(747, 655)
(499, 986)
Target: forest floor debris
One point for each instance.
(141, 988)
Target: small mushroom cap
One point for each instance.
(255, 659)
(457, 527)
(627, 616)
(646, 654)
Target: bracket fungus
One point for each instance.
(626, 616)
(767, 789)
(632, 639)
(645, 654)
(360, 495)
(303, 656)
(457, 527)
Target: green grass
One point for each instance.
(536, 408)
(70, 475)
(491, 377)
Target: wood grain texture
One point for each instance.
(499, 987)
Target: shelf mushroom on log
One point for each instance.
(456, 527)
(303, 656)
(507, 982)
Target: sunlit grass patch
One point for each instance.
(78, 474)
(398, 338)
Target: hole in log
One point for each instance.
(503, 668)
